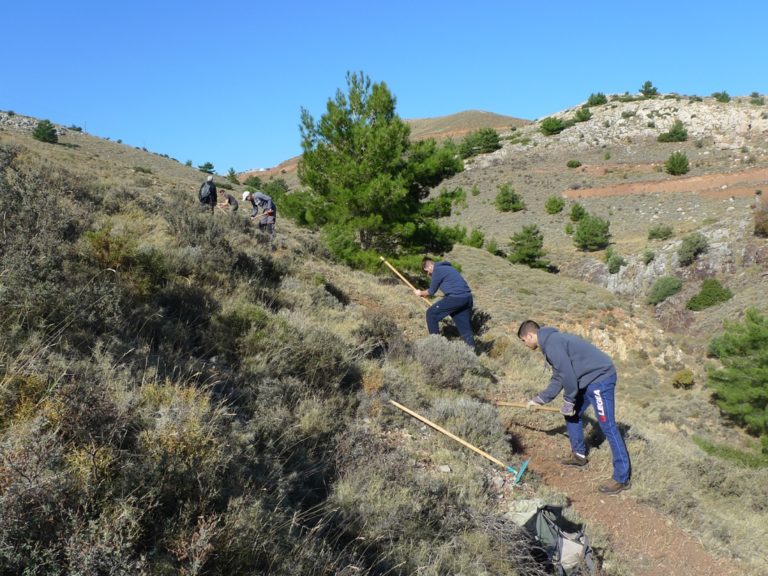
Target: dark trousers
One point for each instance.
(457, 307)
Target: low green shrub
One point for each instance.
(648, 256)
(721, 96)
(614, 260)
(663, 288)
(45, 131)
(554, 205)
(677, 164)
(479, 141)
(660, 232)
(551, 126)
(582, 114)
(677, 133)
(597, 99)
(592, 233)
(507, 200)
(683, 379)
(710, 294)
(577, 212)
(691, 247)
(573, 164)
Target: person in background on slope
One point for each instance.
(228, 201)
(207, 194)
(587, 377)
(268, 209)
(457, 302)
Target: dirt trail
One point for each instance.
(646, 541)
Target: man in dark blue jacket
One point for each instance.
(587, 376)
(457, 302)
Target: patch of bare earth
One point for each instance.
(644, 540)
(724, 185)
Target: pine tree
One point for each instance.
(741, 382)
(45, 131)
(527, 247)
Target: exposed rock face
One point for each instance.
(17, 123)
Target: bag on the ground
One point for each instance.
(569, 552)
(205, 191)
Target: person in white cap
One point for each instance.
(259, 200)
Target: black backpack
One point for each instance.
(205, 191)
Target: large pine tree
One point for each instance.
(365, 181)
(741, 382)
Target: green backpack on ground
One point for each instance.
(569, 553)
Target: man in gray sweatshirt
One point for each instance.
(587, 376)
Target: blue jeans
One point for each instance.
(600, 395)
(457, 307)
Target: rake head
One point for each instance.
(519, 472)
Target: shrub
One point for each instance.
(677, 133)
(582, 114)
(692, 245)
(683, 379)
(507, 200)
(479, 141)
(573, 164)
(660, 232)
(756, 99)
(648, 89)
(663, 288)
(592, 233)
(721, 96)
(710, 294)
(614, 260)
(677, 164)
(45, 132)
(761, 222)
(739, 381)
(577, 212)
(476, 239)
(597, 99)
(492, 246)
(551, 126)
(527, 247)
(554, 205)
(568, 228)
(445, 363)
(648, 256)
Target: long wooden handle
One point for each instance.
(403, 278)
(525, 405)
(454, 437)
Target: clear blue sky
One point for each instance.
(224, 82)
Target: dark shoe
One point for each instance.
(574, 460)
(613, 487)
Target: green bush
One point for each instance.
(677, 133)
(648, 89)
(761, 222)
(691, 247)
(577, 212)
(710, 294)
(677, 164)
(648, 256)
(573, 164)
(756, 100)
(663, 288)
(660, 232)
(554, 205)
(721, 96)
(568, 228)
(739, 380)
(479, 141)
(476, 239)
(551, 126)
(683, 379)
(527, 247)
(583, 114)
(592, 233)
(507, 200)
(614, 260)
(597, 99)
(45, 131)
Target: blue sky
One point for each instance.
(224, 82)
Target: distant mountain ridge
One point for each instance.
(440, 128)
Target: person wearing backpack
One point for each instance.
(587, 377)
(207, 194)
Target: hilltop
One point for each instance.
(164, 336)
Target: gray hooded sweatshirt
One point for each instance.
(575, 364)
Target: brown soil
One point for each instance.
(644, 540)
(724, 185)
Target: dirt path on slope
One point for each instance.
(723, 185)
(644, 540)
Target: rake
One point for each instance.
(525, 405)
(518, 474)
(403, 278)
